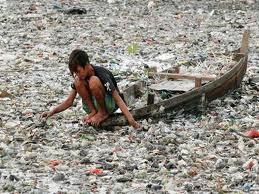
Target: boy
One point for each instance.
(97, 88)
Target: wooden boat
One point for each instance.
(201, 94)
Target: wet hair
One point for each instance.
(77, 58)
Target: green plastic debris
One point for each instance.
(88, 137)
(133, 48)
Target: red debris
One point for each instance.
(253, 133)
(250, 165)
(149, 41)
(54, 163)
(96, 171)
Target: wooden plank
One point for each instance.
(119, 119)
(243, 50)
(228, 86)
(131, 92)
(228, 82)
(129, 95)
(222, 80)
(150, 98)
(198, 82)
(245, 42)
(181, 76)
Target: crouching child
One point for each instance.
(98, 89)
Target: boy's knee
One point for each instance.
(94, 83)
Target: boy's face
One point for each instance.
(83, 72)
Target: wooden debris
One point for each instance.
(182, 76)
(5, 94)
(150, 99)
(198, 82)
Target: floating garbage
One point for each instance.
(253, 133)
(96, 171)
(76, 10)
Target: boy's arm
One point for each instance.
(121, 104)
(63, 106)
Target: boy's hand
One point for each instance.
(47, 114)
(134, 124)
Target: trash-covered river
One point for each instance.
(181, 152)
